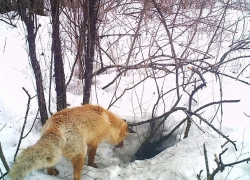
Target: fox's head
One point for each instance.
(125, 129)
(118, 131)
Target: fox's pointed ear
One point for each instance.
(130, 130)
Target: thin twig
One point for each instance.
(3, 159)
(10, 23)
(25, 120)
(4, 45)
(172, 131)
(206, 160)
(3, 127)
(157, 118)
(32, 125)
(191, 98)
(3, 175)
(216, 130)
(217, 102)
(220, 165)
(199, 175)
(162, 19)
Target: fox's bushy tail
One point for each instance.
(45, 153)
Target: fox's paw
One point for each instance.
(120, 145)
(95, 166)
(52, 171)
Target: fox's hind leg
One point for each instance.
(91, 155)
(77, 163)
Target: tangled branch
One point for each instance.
(220, 165)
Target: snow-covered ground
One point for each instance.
(183, 160)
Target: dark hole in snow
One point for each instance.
(148, 151)
(151, 149)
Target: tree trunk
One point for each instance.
(58, 61)
(37, 72)
(35, 7)
(5, 6)
(29, 22)
(92, 13)
(40, 7)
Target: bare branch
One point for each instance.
(206, 160)
(210, 125)
(220, 165)
(24, 123)
(3, 159)
(217, 102)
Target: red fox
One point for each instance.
(73, 133)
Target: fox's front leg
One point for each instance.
(91, 155)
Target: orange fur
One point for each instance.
(73, 133)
